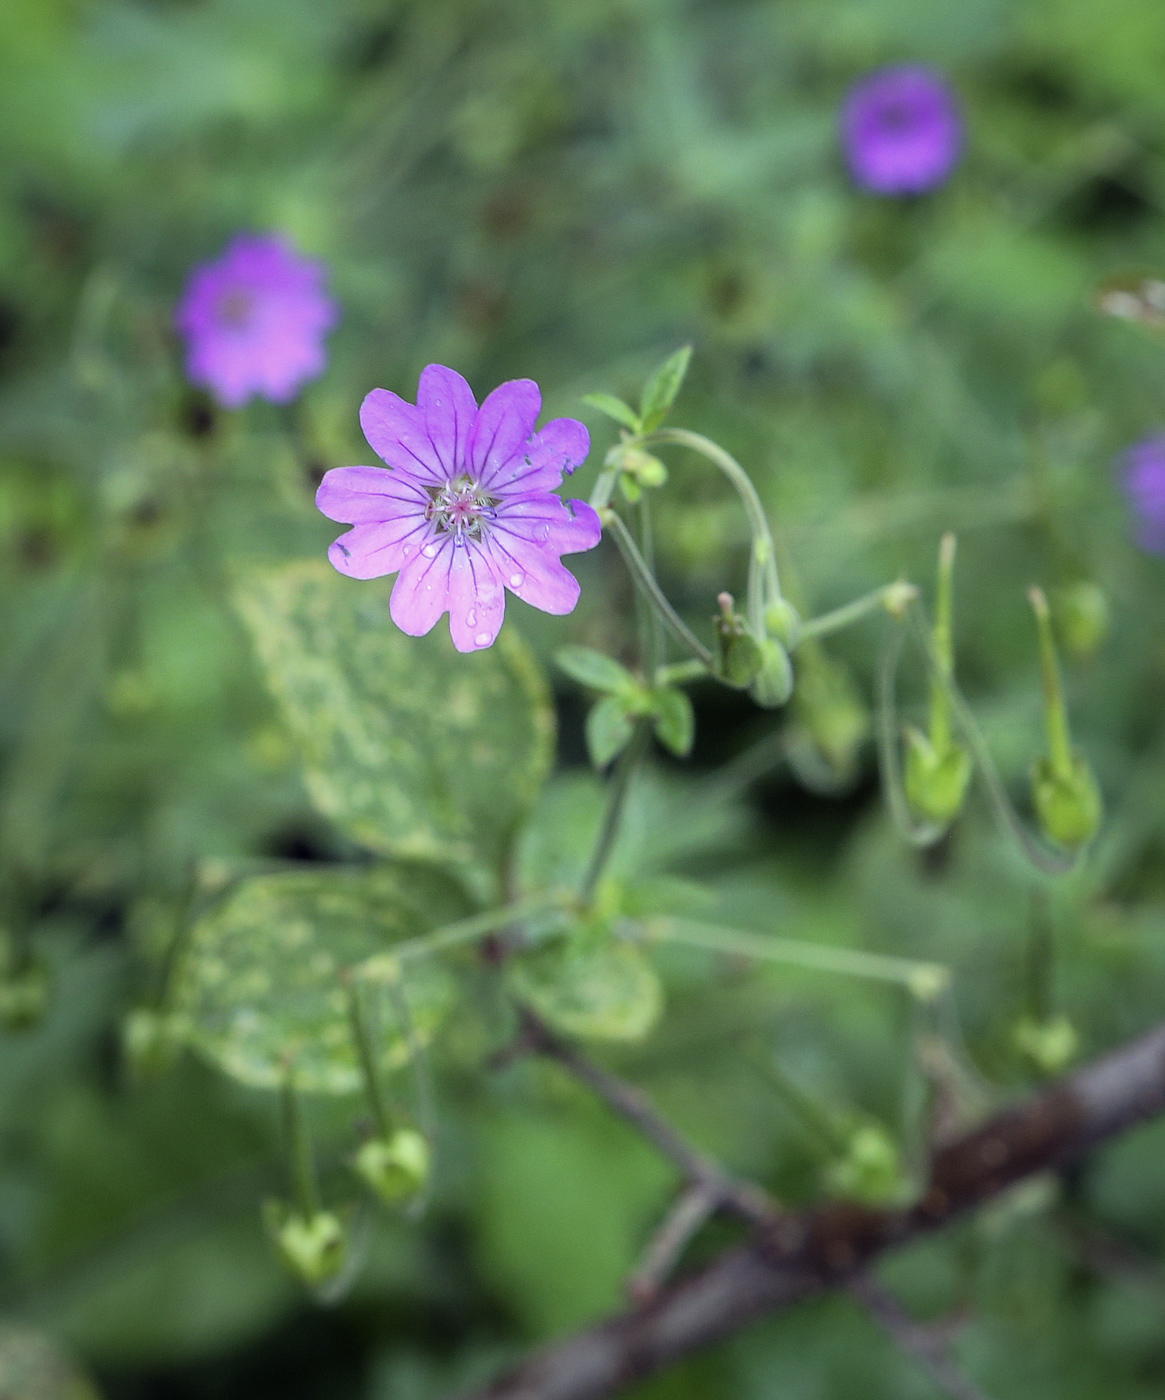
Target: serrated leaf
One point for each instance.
(609, 729)
(659, 393)
(261, 980)
(600, 989)
(594, 669)
(614, 408)
(412, 748)
(675, 723)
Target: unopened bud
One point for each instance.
(313, 1247)
(395, 1168)
(897, 597)
(1081, 615)
(773, 683)
(647, 470)
(783, 621)
(1068, 804)
(871, 1169)
(741, 658)
(1049, 1045)
(936, 783)
(829, 706)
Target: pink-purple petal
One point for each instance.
(374, 549)
(534, 575)
(477, 599)
(447, 404)
(421, 592)
(396, 432)
(561, 446)
(547, 520)
(354, 495)
(502, 428)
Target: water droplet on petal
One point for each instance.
(470, 618)
(481, 640)
(543, 532)
(430, 551)
(516, 580)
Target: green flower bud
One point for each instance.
(783, 621)
(936, 783)
(773, 683)
(1068, 804)
(871, 1169)
(647, 470)
(150, 1042)
(1049, 1045)
(313, 1247)
(397, 1168)
(830, 710)
(1081, 614)
(741, 658)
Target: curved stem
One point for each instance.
(646, 581)
(763, 561)
(853, 612)
(299, 1154)
(362, 1036)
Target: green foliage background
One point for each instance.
(568, 191)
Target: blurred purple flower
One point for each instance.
(901, 130)
(254, 321)
(1144, 482)
(466, 510)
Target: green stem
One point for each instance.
(616, 801)
(679, 672)
(1055, 712)
(653, 646)
(303, 1172)
(364, 1049)
(646, 582)
(944, 650)
(819, 1123)
(925, 980)
(466, 930)
(763, 560)
(849, 613)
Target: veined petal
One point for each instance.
(374, 549)
(477, 599)
(561, 446)
(535, 576)
(548, 521)
(396, 432)
(447, 404)
(502, 428)
(421, 592)
(354, 495)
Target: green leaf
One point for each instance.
(659, 393)
(609, 729)
(412, 748)
(613, 408)
(601, 989)
(675, 724)
(594, 669)
(261, 980)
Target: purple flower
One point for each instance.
(1144, 481)
(255, 320)
(901, 130)
(467, 509)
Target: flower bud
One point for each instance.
(936, 783)
(783, 621)
(150, 1041)
(397, 1167)
(1049, 1045)
(773, 683)
(1068, 803)
(871, 1168)
(830, 711)
(647, 470)
(313, 1247)
(741, 658)
(1081, 614)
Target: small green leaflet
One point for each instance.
(614, 408)
(659, 393)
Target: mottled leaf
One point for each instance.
(414, 749)
(261, 981)
(598, 988)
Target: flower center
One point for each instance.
(460, 508)
(234, 308)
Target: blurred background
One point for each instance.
(568, 192)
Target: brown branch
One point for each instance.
(794, 1258)
(690, 1210)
